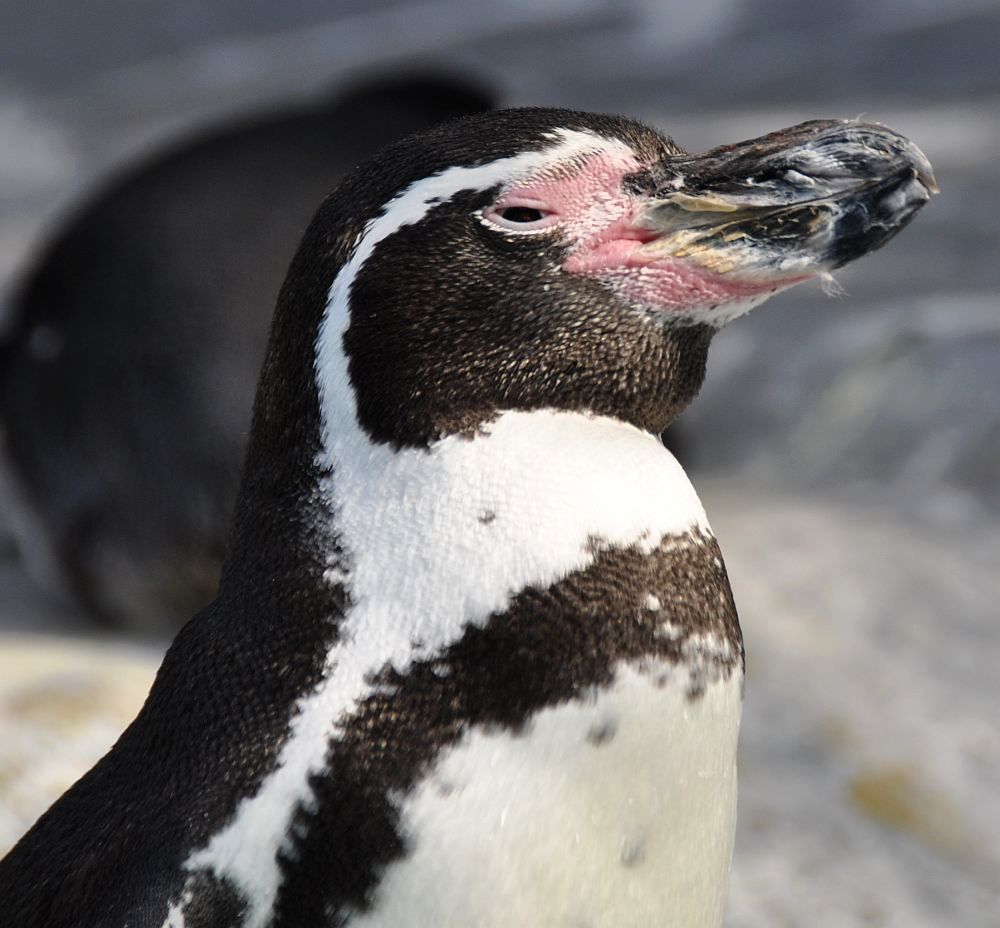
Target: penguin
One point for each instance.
(129, 363)
(474, 657)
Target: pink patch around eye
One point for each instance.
(580, 201)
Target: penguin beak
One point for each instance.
(790, 204)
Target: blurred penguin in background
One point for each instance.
(133, 345)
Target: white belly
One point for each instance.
(610, 813)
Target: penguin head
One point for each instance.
(542, 258)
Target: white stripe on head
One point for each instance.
(438, 539)
(417, 200)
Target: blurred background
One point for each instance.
(158, 160)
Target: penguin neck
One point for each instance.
(313, 450)
(633, 365)
(445, 530)
(281, 538)
(525, 498)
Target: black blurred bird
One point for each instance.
(128, 369)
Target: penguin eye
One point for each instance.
(521, 216)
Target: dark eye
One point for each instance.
(521, 214)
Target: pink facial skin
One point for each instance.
(605, 222)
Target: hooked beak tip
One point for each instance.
(928, 180)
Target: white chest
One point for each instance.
(615, 813)
(436, 540)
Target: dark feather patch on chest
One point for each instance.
(551, 646)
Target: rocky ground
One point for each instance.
(847, 448)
